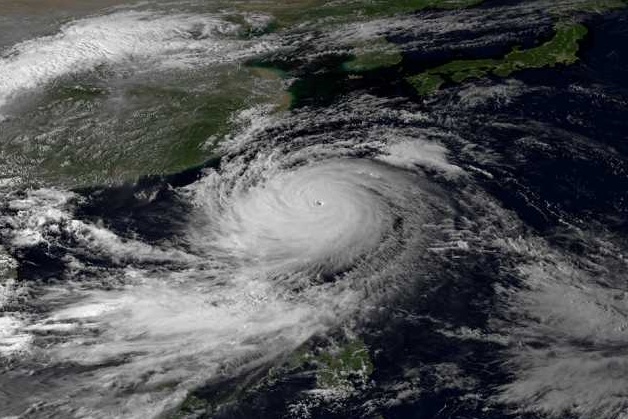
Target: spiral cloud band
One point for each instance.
(464, 250)
(274, 249)
(324, 215)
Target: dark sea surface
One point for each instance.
(471, 244)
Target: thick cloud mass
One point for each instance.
(131, 40)
(323, 215)
(272, 250)
(468, 218)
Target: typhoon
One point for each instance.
(275, 246)
(310, 209)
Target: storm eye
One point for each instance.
(198, 32)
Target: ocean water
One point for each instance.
(170, 227)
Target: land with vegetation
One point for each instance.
(562, 49)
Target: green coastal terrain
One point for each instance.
(86, 132)
(102, 128)
(337, 368)
(561, 49)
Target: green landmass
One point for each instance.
(83, 134)
(372, 55)
(426, 83)
(337, 367)
(192, 405)
(87, 133)
(561, 49)
(342, 366)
